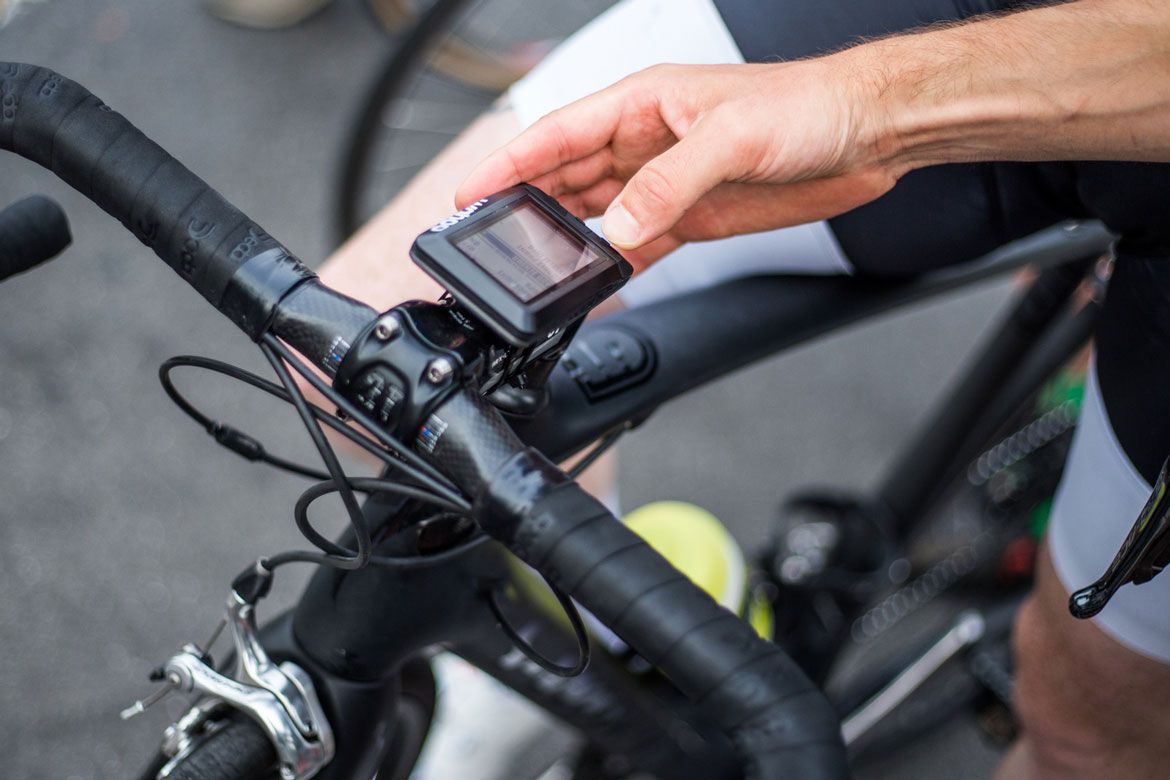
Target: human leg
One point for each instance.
(1090, 706)
(374, 264)
(1093, 695)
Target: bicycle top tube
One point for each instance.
(622, 367)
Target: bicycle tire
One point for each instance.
(448, 67)
(238, 750)
(469, 60)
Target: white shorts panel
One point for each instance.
(804, 249)
(629, 37)
(1100, 496)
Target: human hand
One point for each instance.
(681, 153)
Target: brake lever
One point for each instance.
(1143, 555)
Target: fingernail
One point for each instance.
(620, 227)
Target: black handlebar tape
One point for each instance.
(780, 723)
(782, 726)
(32, 231)
(223, 254)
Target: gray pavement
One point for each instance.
(121, 524)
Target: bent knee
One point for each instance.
(1054, 709)
(1083, 699)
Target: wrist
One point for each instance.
(878, 118)
(929, 103)
(953, 100)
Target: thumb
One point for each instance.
(662, 191)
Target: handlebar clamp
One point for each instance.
(399, 376)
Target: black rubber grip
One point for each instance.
(222, 253)
(780, 723)
(32, 231)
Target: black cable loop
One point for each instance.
(372, 486)
(275, 390)
(357, 521)
(359, 485)
(222, 432)
(401, 450)
(530, 652)
(427, 488)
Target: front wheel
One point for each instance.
(235, 747)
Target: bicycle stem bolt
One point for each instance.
(387, 328)
(439, 370)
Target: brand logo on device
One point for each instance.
(458, 217)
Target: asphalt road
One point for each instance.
(121, 524)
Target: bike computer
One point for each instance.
(520, 264)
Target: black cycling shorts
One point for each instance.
(952, 213)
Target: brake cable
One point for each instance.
(534, 655)
(430, 486)
(226, 435)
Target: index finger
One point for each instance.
(565, 135)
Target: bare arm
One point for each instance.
(1086, 80)
(680, 153)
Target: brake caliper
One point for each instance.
(280, 698)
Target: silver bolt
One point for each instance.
(795, 569)
(387, 328)
(439, 370)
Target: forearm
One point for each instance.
(1083, 80)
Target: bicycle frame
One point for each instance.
(354, 630)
